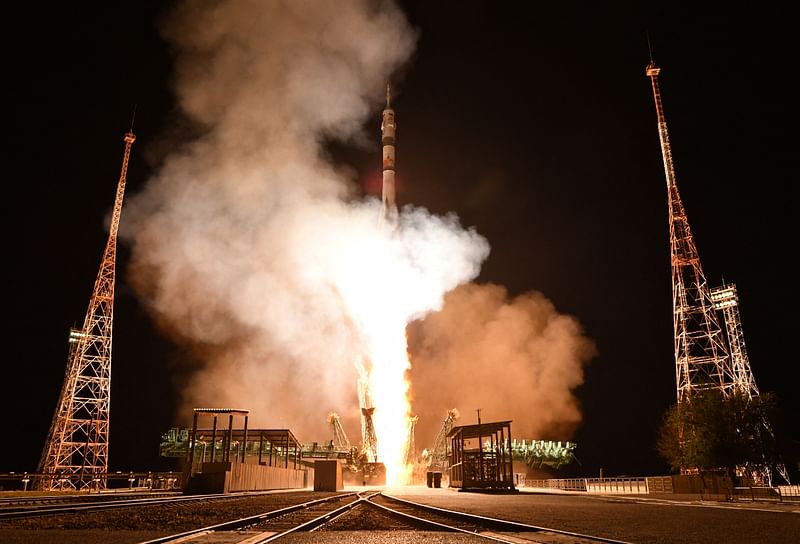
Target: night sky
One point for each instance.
(535, 124)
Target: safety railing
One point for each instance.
(781, 493)
(565, 484)
(628, 486)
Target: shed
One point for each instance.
(480, 456)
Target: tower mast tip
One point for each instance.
(133, 118)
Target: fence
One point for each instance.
(593, 485)
(628, 486)
(113, 481)
(666, 484)
(569, 484)
(781, 493)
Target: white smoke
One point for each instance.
(250, 245)
(255, 251)
(514, 358)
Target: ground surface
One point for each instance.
(638, 519)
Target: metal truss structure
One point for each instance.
(340, 440)
(410, 457)
(701, 356)
(370, 439)
(539, 453)
(726, 301)
(704, 358)
(75, 455)
(437, 457)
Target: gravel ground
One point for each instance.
(637, 520)
(135, 525)
(131, 525)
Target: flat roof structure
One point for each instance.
(272, 447)
(480, 456)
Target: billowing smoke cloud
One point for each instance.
(512, 358)
(254, 250)
(250, 246)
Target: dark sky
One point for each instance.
(534, 123)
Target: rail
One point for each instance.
(628, 486)
(564, 484)
(115, 481)
(662, 484)
(622, 485)
(781, 493)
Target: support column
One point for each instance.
(193, 441)
(214, 438)
(227, 453)
(244, 440)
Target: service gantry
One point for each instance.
(701, 357)
(410, 455)
(369, 440)
(75, 455)
(339, 440)
(437, 458)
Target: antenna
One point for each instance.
(133, 118)
(649, 48)
(388, 97)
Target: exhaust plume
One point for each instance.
(514, 358)
(252, 249)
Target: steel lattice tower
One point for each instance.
(75, 455)
(369, 439)
(437, 459)
(701, 357)
(340, 440)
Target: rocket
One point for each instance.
(388, 207)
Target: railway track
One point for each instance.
(68, 504)
(66, 498)
(372, 510)
(272, 525)
(494, 529)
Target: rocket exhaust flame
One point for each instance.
(384, 379)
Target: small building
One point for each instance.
(228, 459)
(480, 456)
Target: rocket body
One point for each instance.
(388, 127)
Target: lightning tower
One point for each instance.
(75, 455)
(701, 356)
(389, 212)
